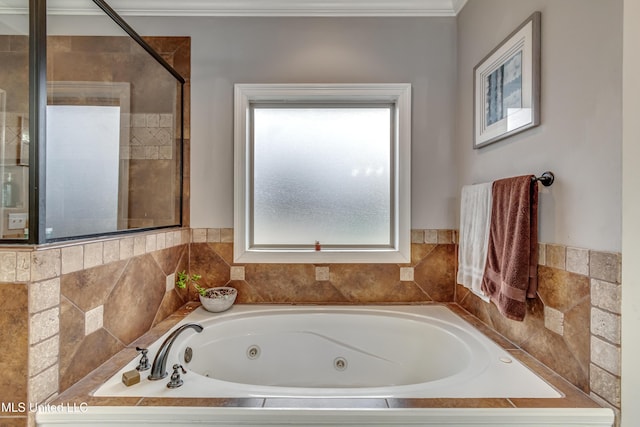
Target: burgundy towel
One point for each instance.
(510, 275)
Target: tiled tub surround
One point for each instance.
(81, 392)
(81, 295)
(576, 288)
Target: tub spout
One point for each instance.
(158, 370)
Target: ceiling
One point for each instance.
(259, 7)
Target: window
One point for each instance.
(322, 173)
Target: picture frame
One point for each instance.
(506, 86)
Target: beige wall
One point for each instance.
(579, 138)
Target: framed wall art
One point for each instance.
(507, 86)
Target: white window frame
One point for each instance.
(398, 94)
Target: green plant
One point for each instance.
(183, 279)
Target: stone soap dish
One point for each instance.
(218, 299)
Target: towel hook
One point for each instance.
(546, 178)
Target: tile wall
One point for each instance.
(573, 326)
(87, 301)
(429, 276)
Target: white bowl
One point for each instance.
(222, 299)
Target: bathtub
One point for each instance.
(338, 352)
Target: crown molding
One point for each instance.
(252, 7)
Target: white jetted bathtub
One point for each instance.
(350, 352)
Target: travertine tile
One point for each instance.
(45, 264)
(605, 355)
(93, 320)
(171, 282)
(44, 384)
(322, 273)
(406, 274)
(605, 325)
(226, 235)
(23, 268)
(8, 264)
(445, 236)
(554, 320)
(168, 238)
(138, 120)
(153, 120)
(417, 236)
(605, 266)
(93, 253)
(542, 251)
(151, 243)
(44, 354)
(44, 325)
(126, 248)
(606, 295)
(213, 235)
(72, 258)
(605, 385)
(237, 273)
(161, 242)
(199, 235)
(166, 120)
(44, 295)
(139, 245)
(555, 256)
(111, 251)
(578, 260)
(431, 236)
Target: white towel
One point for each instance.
(475, 219)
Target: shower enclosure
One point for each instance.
(91, 125)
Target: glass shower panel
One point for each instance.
(101, 85)
(14, 120)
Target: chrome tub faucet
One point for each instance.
(158, 370)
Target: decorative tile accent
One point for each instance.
(406, 274)
(93, 320)
(139, 245)
(542, 254)
(323, 274)
(23, 267)
(170, 282)
(237, 273)
(554, 320)
(226, 235)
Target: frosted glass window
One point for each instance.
(322, 173)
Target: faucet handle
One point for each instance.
(176, 381)
(144, 364)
